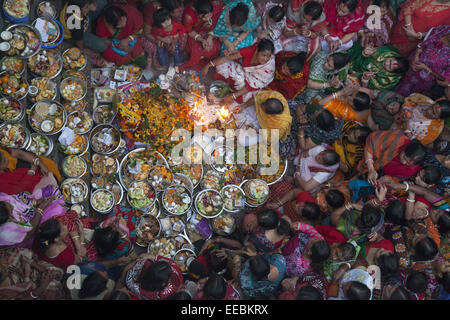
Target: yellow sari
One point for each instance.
(281, 121)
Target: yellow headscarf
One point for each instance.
(281, 121)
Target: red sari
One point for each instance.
(289, 86)
(134, 25)
(340, 26)
(198, 55)
(395, 168)
(424, 16)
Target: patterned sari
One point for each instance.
(378, 111)
(349, 153)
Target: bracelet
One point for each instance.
(407, 186)
(340, 42)
(195, 38)
(407, 25)
(31, 171)
(234, 96)
(334, 95)
(327, 35)
(348, 265)
(348, 206)
(410, 200)
(31, 294)
(74, 237)
(375, 202)
(309, 35)
(36, 161)
(371, 160)
(279, 202)
(420, 35)
(131, 38)
(39, 210)
(212, 64)
(324, 85)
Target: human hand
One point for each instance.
(369, 50)
(420, 182)
(123, 45)
(380, 192)
(421, 66)
(367, 39)
(357, 206)
(369, 75)
(373, 236)
(123, 261)
(44, 169)
(250, 251)
(272, 205)
(372, 176)
(410, 32)
(228, 99)
(289, 284)
(334, 44)
(339, 273)
(82, 251)
(305, 31)
(335, 82)
(205, 70)
(44, 202)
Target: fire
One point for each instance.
(224, 113)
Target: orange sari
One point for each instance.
(424, 16)
(343, 110)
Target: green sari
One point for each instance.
(383, 80)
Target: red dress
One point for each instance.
(177, 29)
(198, 55)
(134, 24)
(340, 26)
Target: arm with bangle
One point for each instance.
(291, 195)
(410, 205)
(333, 96)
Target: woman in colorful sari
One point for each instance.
(351, 146)
(120, 27)
(345, 18)
(20, 216)
(291, 74)
(353, 284)
(384, 110)
(429, 63)
(255, 72)
(236, 27)
(416, 18)
(378, 68)
(273, 23)
(261, 275)
(24, 277)
(310, 286)
(423, 118)
(200, 19)
(379, 36)
(327, 72)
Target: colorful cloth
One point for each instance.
(349, 153)
(358, 275)
(378, 111)
(294, 13)
(311, 278)
(259, 239)
(340, 26)
(343, 110)
(382, 34)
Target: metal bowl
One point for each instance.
(49, 102)
(43, 4)
(107, 210)
(49, 141)
(21, 114)
(49, 20)
(53, 84)
(282, 175)
(77, 181)
(113, 130)
(76, 112)
(145, 209)
(80, 68)
(188, 260)
(99, 109)
(74, 79)
(28, 29)
(184, 178)
(57, 56)
(82, 152)
(220, 231)
(92, 170)
(182, 237)
(249, 197)
(141, 242)
(164, 204)
(197, 198)
(5, 58)
(15, 95)
(26, 140)
(67, 174)
(234, 186)
(214, 165)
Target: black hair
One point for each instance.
(320, 251)
(170, 5)
(361, 101)
(106, 240)
(370, 217)
(216, 263)
(296, 63)
(197, 268)
(260, 267)
(265, 45)
(350, 4)
(400, 294)
(311, 211)
(239, 14)
(416, 150)
(331, 157)
(273, 106)
(313, 9)
(81, 3)
(156, 276)
(335, 198)
(444, 223)
(445, 281)
(445, 109)
(215, 288)
(395, 213)
(380, 2)
(48, 231)
(159, 16)
(180, 295)
(416, 282)
(277, 13)
(325, 120)
(432, 174)
(389, 264)
(403, 65)
(309, 292)
(119, 295)
(363, 134)
(113, 14)
(203, 6)
(340, 59)
(348, 251)
(426, 249)
(357, 291)
(4, 212)
(269, 219)
(93, 285)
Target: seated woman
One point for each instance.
(95, 285)
(24, 277)
(327, 72)
(254, 73)
(176, 9)
(408, 162)
(340, 253)
(351, 146)
(429, 64)
(200, 19)
(291, 74)
(351, 284)
(271, 232)
(273, 23)
(20, 217)
(378, 35)
(217, 288)
(261, 275)
(236, 25)
(316, 166)
(119, 26)
(24, 171)
(423, 118)
(305, 251)
(378, 68)
(384, 110)
(309, 286)
(149, 42)
(171, 36)
(153, 278)
(345, 18)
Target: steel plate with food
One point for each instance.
(40, 144)
(34, 39)
(212, 180)
(74, 190)
(224, 224)
(102, 200)
(198, 228)
(193, 171)
(74, 166)
(181, 179)
(183, 259)
(104, 165)
(141, 195)
(222, 159)
(171, 225)
(167, 246)
(11, 110)
(73, 88)
(147, 229)
(177, 200)
(17, 8)
(209, 203)
(233, 198)
(14, 135)
(80, 122)
(256, 191)
(73, 58)
(79, 146)
(128, 73)
(47, 117)
(47, 63)
(12, 65)
(72, 106)
(103, 114)
(13, 85)
(46, 89)
(17, 44)
(105, 139)
(160, 177)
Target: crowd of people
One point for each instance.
(361, 102)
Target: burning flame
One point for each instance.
(223, 113)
